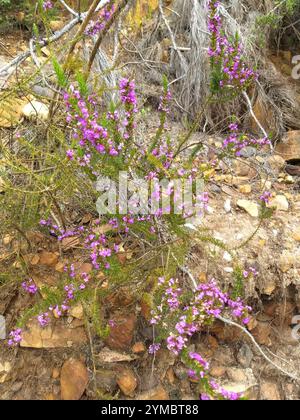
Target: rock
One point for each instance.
(49, 259)
(217, 371)
(269, 392)
(287, 261)
(127, 382)
(242, 169)
(250, 207)
(158, 394)
(243, 381)
(139, 348)
(16, 387)
(296, 234)
(56, 25)
(121, 333)
(224, 356)
(292, 170)
(57, 336)
(269, 286)
(264, 114)
(289, 147)
(55, 373)
(262, 333)
(245, 189)
(239, 375)
(110, 356)
(227, 205)
(276, 163)
(5, 369)
(36, 110)
(245, 356)
(227, 257)
(280, 202)
(181, 372)
(77, 311)
(106, 379)
(74, 380)
(170, 376)
(248, 152)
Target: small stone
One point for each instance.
(238, 375)
(170, 375)
(56, 25)
(106, 380)
(227, 257)
(7, 239)
(250, 207)
(280, 202)
(5, 369)
(269, 392)
(16, 387)
(245, 189)
(110, 356)
(296, 234)
(227, 205)
(74, 380)
(262, 333)
(217, 371)
(36, 109)
(77, 311)
(276, 163)
(287, 261)
(245, 356)
(127, 382)
(49, 259)
(158, 394)
(139, 348)
(55, 373)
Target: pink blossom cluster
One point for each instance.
(164, 102)
(90, 135)
(15, 337)
(266, 197)
(30, 287)
(47, 5)
(226, 55)
(186, 318)
(237, 142)
(105, 15)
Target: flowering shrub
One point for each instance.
(179, 315)
(230, 72)
(104, 143)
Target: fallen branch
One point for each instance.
(55, 37)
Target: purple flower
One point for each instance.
(30, 287)
(154, 348)
(43, 319)
(47, 5)
(15, 337)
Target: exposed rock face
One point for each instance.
(52, 336)
(289, 147)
